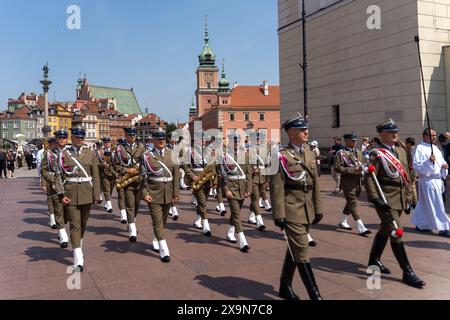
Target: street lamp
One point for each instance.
(45, 86)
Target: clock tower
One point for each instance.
(207, 78)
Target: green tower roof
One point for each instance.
(207, 56)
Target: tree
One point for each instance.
(171, 127)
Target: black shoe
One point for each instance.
(412, 280)
(382, 267)
(166, 259)
(245, 248)
(54, 227)
(312, 243)
(133, 239)
(64, 245)
(175, 218)
(261, 228)
(309, 281)
(424, 230)
(223, 213)
(124, 222)
(444, 233)
(199, 228)
(269, 210)
(287, 273)
(110, 211)
(340, 226)
(207, 233)
(254, 223)
(79, 269)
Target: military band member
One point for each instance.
(260, 181)
(120, 193)
(173, 211)
(107, 173)
(296, 204)
(160, 189)
(45, 187)
(79, 165)
(53, 178)
(236, 181)
(127, 165)
(200, 158)
(393, 175)
(349, 163)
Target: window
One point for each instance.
(5, 135)
(262, 116)
(225, 101)
(335, 116)
(31, 125)
(232, 116)
(208, 84)
(16, 125)
(247, 116)
(5, 125)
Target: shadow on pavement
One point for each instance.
(107, 230)
(42, 236)
(428, 245)
(247, 289)
(34, 210)
(39, 221)
(54, 254)
(127, 246)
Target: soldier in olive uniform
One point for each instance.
(46, 186)
(160, 188)
(107, 173)
(127, 161)
(199, 159)
(349, 163)
(52, 175)
(235, 179)
(392, 171)
(120, 193)
(79, 166)
(296, 204)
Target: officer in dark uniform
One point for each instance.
(392, 171)
(296, 204)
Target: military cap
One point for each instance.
(388, 126)
(106, 139)
(130, 131)
(350, 136)
(51, 140)
(61, 134)
(121, 141)
(78, 132)
(159, 134)
(296, 122)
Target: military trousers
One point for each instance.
(219, 194)
(254, 198)
(78, 218)
(132, 200)
(108, 186)
(297, 236)
(57, 208)
(159, 214)
(263, 192)
(387, 225)
(235, 217)
(121, 199)
(351, 196)
(202, 200)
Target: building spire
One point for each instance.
(206, 30)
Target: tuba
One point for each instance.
(205, 176)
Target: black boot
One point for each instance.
(379, 243)
(287, 274)
(409, 277)
(309, 281)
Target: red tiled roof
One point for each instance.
(253, 96)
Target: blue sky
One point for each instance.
(150, 45)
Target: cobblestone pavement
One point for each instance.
(32, 266)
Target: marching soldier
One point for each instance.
(107, 173)
(173, 211)
(349, 163)
(160, 188)
(46, 188)
(79, 166)
(120, 193)
(296, 204)
(199, 158)
(392, 171)
(52, 176)
(236, 183)
(127, 164)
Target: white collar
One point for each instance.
(389, 147)
(297, 148)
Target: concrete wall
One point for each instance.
(373, 75)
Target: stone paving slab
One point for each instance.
(32, 266)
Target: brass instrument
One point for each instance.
(106, 161)
(128, 179)
(205, 176)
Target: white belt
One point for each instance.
(164, 179)
(237, 177)
(79, 180)
(197, 169)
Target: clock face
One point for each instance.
(209, 77)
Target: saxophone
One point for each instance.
(127, 179)
(205, 176)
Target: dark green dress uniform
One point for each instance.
(128, 157)
(198, 162)
(50, 174)
(82, 187)
(296, 204)
(394, 186)
(163, 185)
(237, 178)
(349, 163)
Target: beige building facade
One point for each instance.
(364, 66)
